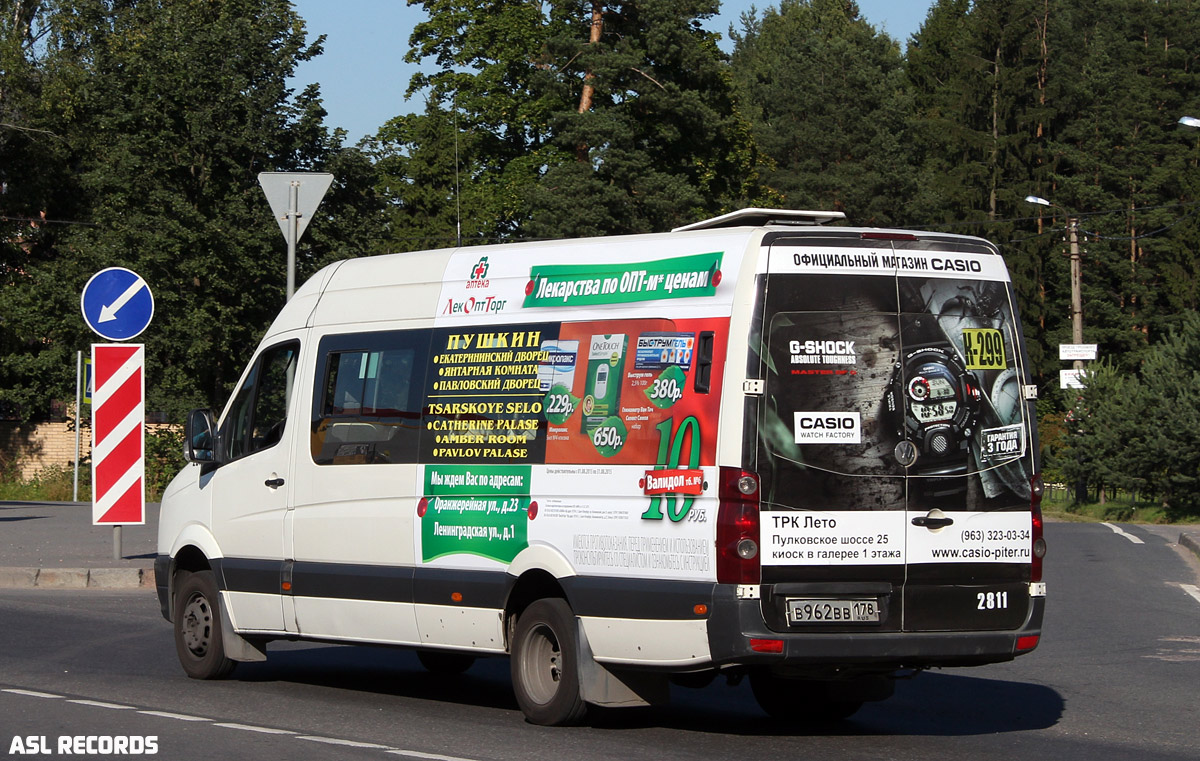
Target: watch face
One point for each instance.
(935, 397)
(934, 412)
(932, 396)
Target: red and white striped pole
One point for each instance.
(118, 437)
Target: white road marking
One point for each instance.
(31, 693)
(347, 743)
(179, 716)
(100, 704)
(1192, 590)
(273, 731)
(1121, 532)
(251, 728)
(433, 756)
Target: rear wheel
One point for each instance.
(443, 662)
(198, 641)
(545, 664)
(799, 701)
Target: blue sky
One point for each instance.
(363, 75)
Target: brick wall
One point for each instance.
(36, 446)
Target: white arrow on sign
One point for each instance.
(109, 313)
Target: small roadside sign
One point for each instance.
(1071, 378)
(117, 304)
(87, 380)
(1072, 352)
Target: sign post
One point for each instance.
(294, 197)
(117, 304)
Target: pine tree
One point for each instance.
(572, 119)
(827, 99)
(1170, 425)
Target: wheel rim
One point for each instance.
(196, 625)
(541, 666)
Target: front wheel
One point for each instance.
(545, 664)
(198, 641)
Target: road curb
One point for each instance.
(76, 578)
(1191, 542)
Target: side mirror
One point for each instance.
(200, 438)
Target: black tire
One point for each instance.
(444, 663)
(799, 702)
(545, 664)
(198, 641)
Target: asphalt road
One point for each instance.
(1115, 678)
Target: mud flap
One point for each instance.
(603, 686)
(237, 647)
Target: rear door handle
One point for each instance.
(928, 522)
(274, 483)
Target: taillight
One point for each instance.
(737, 527)
(1039, 541)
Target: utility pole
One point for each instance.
(1076, 273)
(1076, 308)
(1076, 287)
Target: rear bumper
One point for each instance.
(735, 622)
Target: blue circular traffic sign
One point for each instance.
(117, 304)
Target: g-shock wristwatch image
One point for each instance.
(933, 401)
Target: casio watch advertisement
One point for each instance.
(883, 391)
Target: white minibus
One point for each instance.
(766, 446)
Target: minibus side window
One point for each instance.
(367, 401)
(372, 384)
(258, 415)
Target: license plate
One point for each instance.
(827, 611)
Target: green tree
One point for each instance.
(1129, 74)
(567, 119)
(647, 129)
(482, 140)
(1075, 101)
(430, 173)
(38, 196)
(829, 105)
(1141, 431)
(1105, 431)
(985, 106)
(166, 111)
(1169, 424)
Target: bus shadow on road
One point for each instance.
(382, 671)
(936, 705)
(933, 704)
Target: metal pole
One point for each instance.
(117, 554)
(293, 225)
(78, 420)
(1076, 288)
(1077, 322)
